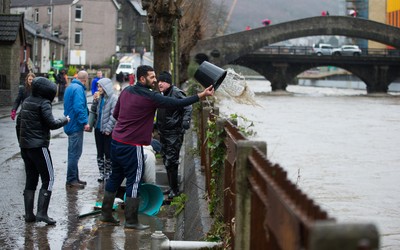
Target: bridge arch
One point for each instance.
(225, 49)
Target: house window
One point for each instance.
(143, 27)
(119, 24)
(49, 10)
(78, 37)
(78, 13)
(56, 33)
(36, 15)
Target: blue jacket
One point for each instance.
(75, 105)
(94, 84)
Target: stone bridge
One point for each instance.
(230, 48)
(376, 72)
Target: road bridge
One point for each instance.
(233, 48)
(377, 72)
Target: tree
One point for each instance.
(161, 16)
(194, 20)
(191, 29)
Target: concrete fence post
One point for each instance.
(243, 194)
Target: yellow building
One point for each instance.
(377, 12)
(384, 11)
(393, 12)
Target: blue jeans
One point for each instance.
(75, 146)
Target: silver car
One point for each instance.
(322, 49)
(347, 50)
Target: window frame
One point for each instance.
(78, 32)
(79, 9)
(36, 17)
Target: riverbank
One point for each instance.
(336, 145)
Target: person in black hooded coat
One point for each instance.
(36, 122)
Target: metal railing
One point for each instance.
(263, 208)
(308, 50)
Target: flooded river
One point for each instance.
(340, 146)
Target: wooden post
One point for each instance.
(243, 194)
(349, 236)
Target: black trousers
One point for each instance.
(38, 163)
(103, 145)
(171, 146)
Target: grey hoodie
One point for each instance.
(107, 122)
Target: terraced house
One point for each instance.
(87, 27)
(93, 30)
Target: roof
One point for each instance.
(30, 3)
(10, 27)
(36, 29)
(137, 4)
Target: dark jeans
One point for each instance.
(75, 147)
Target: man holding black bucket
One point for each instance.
(171, 125)
(134, 112)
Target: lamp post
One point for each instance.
(69, 29)
(35, 49)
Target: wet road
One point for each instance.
(66, 205)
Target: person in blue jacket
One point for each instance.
(75, 106)
(99, 75)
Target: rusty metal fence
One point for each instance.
(263, 208)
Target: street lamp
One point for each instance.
(69, 29)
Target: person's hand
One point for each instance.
(209, 91)
(86, 128)
(68, 119)
(96, 95)
(13, 114)
(107, 133)
(185, 124)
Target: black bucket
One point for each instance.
(209, 74)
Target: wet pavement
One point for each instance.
(70, 232)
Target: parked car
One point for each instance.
(347, 50)
(322, 49)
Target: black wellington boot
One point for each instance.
(131, 214)
(29, 197)
(106, 209)
(169, 183)
(43, 206)
(174, 184)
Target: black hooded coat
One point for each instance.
(36, 115)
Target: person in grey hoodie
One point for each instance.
(104, 101)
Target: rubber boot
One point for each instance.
(43, 206)
(29, 197)
(169, 183)
(100, 164)
(131, 214)
(107, 169)
(173, 184)
(106, 208)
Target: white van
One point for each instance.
(126, 66)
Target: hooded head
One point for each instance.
(106, 85)
(43, 87)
